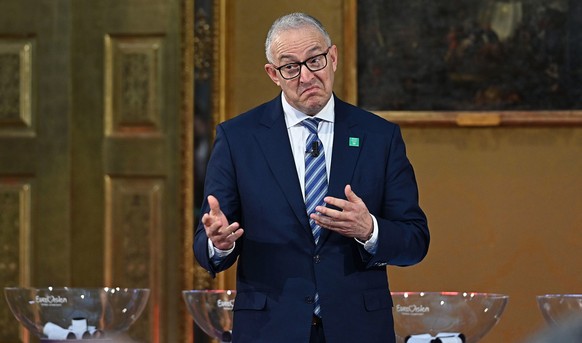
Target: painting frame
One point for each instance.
(455, 118)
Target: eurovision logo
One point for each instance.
(51, 300)
(227, 305)
(412, 310)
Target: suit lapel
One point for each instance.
(273, 139)
(345, 156)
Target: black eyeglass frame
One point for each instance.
(304, 63)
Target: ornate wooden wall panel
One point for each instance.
(15, 190)
(134, 242)
(95, 135)
(132, 73)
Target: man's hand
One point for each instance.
(217, 228)
(353, 221)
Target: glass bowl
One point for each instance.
(463, 316)
(212, 311)
(54, 314)
(556, 308)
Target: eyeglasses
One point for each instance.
(292, 70)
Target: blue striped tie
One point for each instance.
(315, 182)
(315, 174)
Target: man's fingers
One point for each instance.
(226, 239)
(350, 195)
(214, 205)
(227, 242)
(216, 225)
(233, 236)
(341, 204)
(210, 221)
(212, 227)
(218, 231)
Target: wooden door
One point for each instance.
(95, 145)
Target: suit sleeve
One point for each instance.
(220, 182)
(403, 236)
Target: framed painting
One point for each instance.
(466, 62)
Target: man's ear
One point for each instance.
(272, 72)
(333, 56)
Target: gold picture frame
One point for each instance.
(533, 116)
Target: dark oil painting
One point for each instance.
(469, 55)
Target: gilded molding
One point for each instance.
(16, 86)
(203, 46)
(219, 72)
(187, 162)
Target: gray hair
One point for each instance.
(290, 22)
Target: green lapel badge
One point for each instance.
(354, 141)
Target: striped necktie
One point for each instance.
(315, 173)
(315, 182)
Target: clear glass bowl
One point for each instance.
(76, 313)
(446, 314)
(556, 308)
(212, 311)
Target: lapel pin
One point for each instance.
(354, 141)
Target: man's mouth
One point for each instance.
(310, 89)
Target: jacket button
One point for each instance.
(309, 300)
(316, 259)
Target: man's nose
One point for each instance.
(305, 74)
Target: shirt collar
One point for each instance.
(294, 116)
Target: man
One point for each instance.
(311, 253)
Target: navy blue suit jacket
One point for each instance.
(252, 173)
